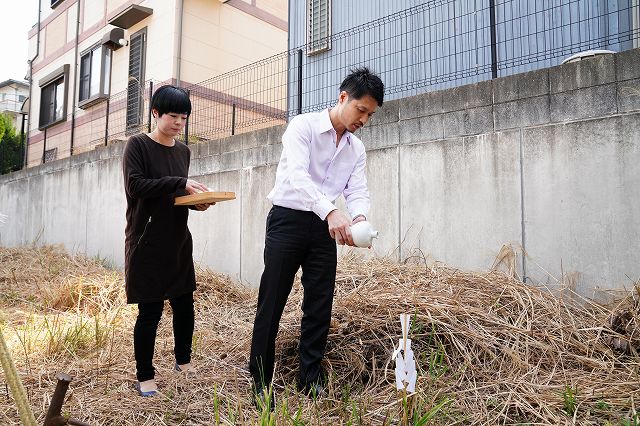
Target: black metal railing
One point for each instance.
(434, 45)
(104, 123)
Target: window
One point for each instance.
(21, 98)
(95, 75)
(53, 97)
(55, 3)
(318, 26)
(135, 86)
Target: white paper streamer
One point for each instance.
(405, 362)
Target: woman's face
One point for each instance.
(170, 123)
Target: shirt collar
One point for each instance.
(324, 124)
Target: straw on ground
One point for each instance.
(491, 350)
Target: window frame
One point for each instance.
(104, 85)
(55, 3)
(46, 82)
(320, 44)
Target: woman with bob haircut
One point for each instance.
(158, 244)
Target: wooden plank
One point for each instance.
(204, 198)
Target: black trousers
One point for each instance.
(294, 239)
(144, 333)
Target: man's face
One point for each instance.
(354, 113)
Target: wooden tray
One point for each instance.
(204, 198)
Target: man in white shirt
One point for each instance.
(321, 159)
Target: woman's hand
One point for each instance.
(203, 207)
(194, 187)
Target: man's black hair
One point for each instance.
(171, 99)
(361, 82)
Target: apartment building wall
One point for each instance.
(186, 40)
(219, 38)
(12, 95)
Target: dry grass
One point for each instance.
(490, 349)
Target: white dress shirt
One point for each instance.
(313, 172)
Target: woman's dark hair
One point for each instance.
(361, 82)
(167, 99)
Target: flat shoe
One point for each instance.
(189, 371)
(142, 393)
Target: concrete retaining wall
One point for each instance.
(547, 161)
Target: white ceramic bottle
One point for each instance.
(363, 234)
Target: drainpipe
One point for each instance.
(26, 147)
(22, 141)
(75, 79)
(179, 19)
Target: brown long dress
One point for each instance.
(158, 245)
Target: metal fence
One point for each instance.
(242, 100)
(440, 44)
(431, 46)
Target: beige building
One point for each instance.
(12, 95)
(94, 61)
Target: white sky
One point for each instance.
(22, 15)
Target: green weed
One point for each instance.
(634, 421)
(569, 397)
(421, 419)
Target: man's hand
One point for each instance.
(193, 187)
(359, 218)
(339, 228)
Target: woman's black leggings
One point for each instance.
(144, 333)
